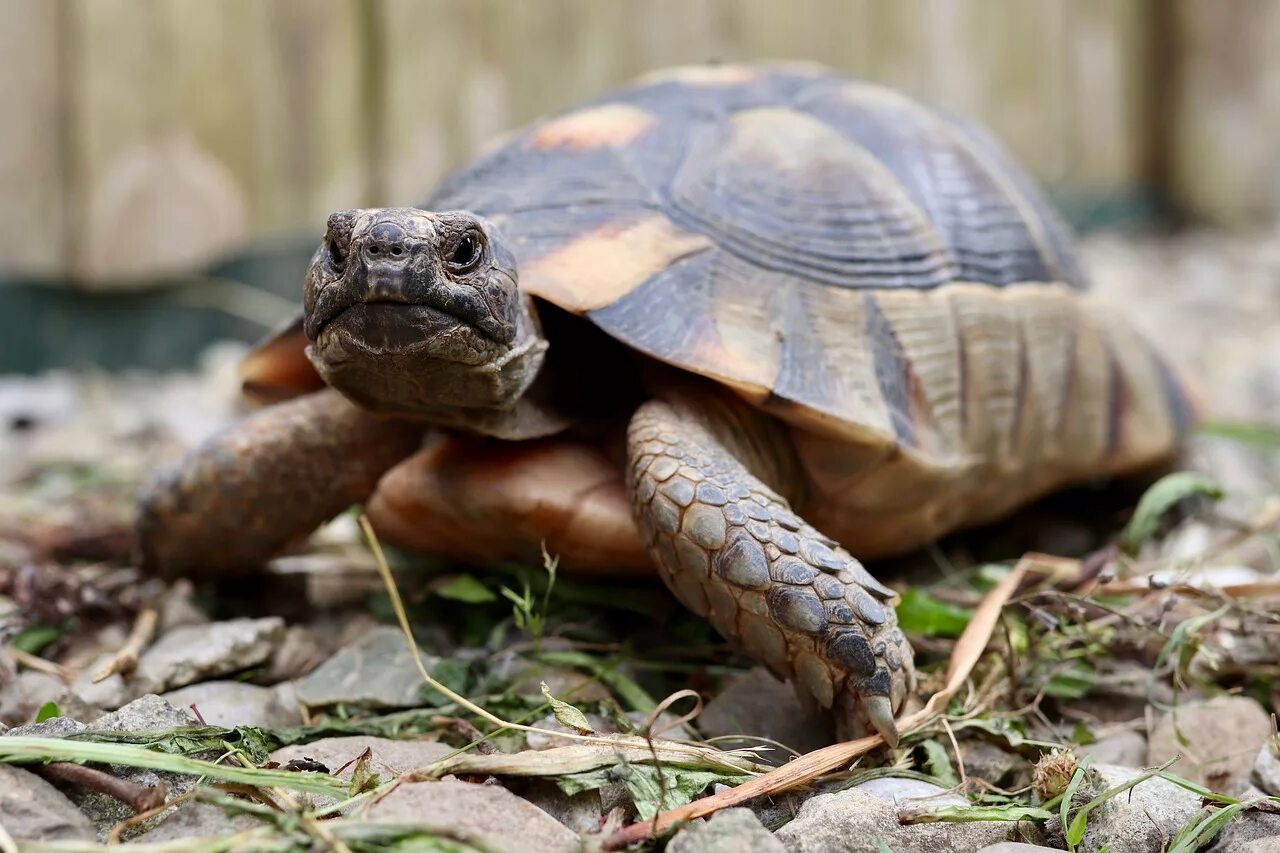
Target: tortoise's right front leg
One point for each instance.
(730, 548)
(266, 481)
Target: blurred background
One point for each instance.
(166, 166)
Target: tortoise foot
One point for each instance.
(731, 550)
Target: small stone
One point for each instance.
(376, 671)
(198, 820)
(111, 692)
(198, 652)
(756, 704)
(31, 809)
(1222, 738)
(148, 713)
(1266, 767)
(389, 757)
(234, 703)
(1251, 829)
(990, 763)
(1125, 748)
(1014, 847)
(728, 831)
(910, 794)
(857, 822)
(178, 609)
(23, 697)
(145, 714)
(491, 815)
(583, 812)
(1143, 819)
(53, 727)
(299, 652)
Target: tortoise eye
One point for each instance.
(466, 253)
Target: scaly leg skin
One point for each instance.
(264, 482)
(730, 549)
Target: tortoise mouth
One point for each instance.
(385, 327)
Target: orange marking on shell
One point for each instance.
(604, 265)
(608, 125)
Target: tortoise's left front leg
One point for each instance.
(265, 481)
(731, 550)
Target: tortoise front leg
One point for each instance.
(731, 550)
(264, 482)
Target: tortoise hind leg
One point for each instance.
(264, 482)
(731, 550)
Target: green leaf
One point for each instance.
(1082, 734)
(1064, 808)
(970, 814)
(467, 589)
(1203, 827)
(36, 638)
(33, 750)
(922, 613)
(362, 776)
(627, 690)
(452, 673)
(1079, 823)
(1163, 495)
(565, 713)
(938, 763)
(48, 711)
(652, 789)
(1264, 436)
(1073, 681)
(258, 743)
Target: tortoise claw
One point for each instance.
(880, 712)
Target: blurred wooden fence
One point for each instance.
(146, 137)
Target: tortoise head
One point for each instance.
(419, 313)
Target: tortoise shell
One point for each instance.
(879, 275)
(873, 271)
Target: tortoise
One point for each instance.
(738, 322)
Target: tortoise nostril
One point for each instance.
(373, 250)
(397, 251)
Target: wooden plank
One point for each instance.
(1225, 162)
(205, 123)
(31, 174)
(1105, 116)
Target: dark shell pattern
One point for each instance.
(865, 267)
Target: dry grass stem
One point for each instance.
(39, 664)
(682, 753)
(968, 650)
(126, 659)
